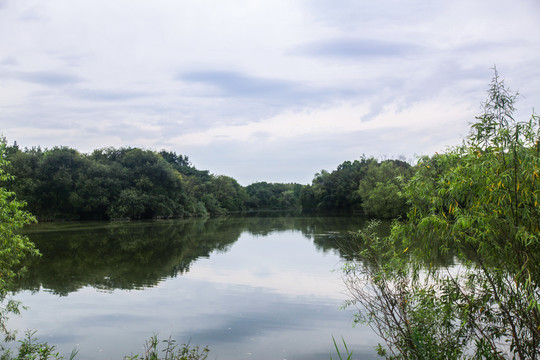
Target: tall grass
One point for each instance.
(170, 351)
(347, 352)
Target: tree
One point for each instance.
(479, 201)
(23, 165)
(337, 191)
(14, 248)
(226, 190)
(380, 189)
(273, 196)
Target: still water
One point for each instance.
(249, 288)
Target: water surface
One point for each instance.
(249, 288)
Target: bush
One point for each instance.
(478, 201)
(171, 351)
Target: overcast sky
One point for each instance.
(261, 90)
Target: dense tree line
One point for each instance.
(61, 183)
(110, 183)
(273, 196)
(366, 185)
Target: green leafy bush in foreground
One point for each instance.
(479, 203)
(14, 248)
(31, 348)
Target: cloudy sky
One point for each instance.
(260, 90)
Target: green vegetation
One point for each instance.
(380, 189)
(171, 351)
(347, 352)
(33, 348)
(363, 186)
(268, 196)
(14, 248)
(61, 183)
(132, 183)
(479, 202)
(336, 191)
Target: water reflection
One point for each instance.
(135, 255)
(250, 288)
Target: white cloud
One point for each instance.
(341, 119)
(289, 124)
(296, 82)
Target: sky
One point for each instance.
(261, 90)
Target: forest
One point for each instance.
(133, 183)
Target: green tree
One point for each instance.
(273, 196)
(479, 200)
(98, 186)
(380, 189)
(337, 191)
(14, 248)
(58, 173)
(147, 186)
(226, 190)
(23, 165)
(307, 199)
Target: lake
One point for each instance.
(248, 287)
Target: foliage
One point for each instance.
(336, 191)
(132, 183)
(402, 309)
(480, 201)
(380, 189)
(14, 248)
(33, 348)
(125, 183)
(347, 352)
(171, 351)
(363, 185)
(273, 196)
